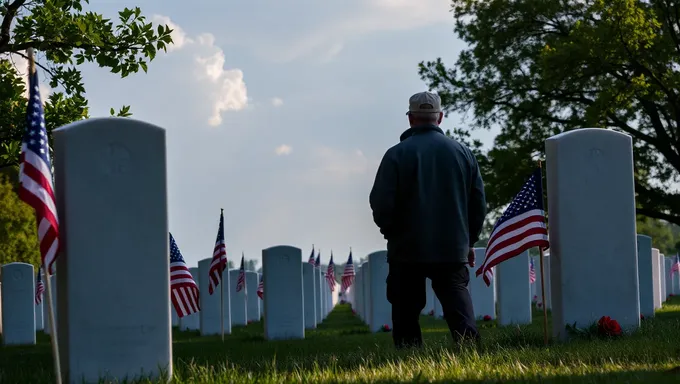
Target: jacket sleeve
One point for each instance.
(384, 194)
(476, 204)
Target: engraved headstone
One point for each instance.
(645, 278)
(192, 322)
(590, 174)
(210, 304)
(668, 280)
(656, 277)
(238, 301)
(381, 309)
(283, 293)
(512, 279)
(253, 302)
(108, 172)
(483, 297)
(324, 294)
(18, 305)
(318, 281)
(368, 300)
(308, 272)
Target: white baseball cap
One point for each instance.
(424, 102)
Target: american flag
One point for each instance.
(532, 271)
(347, 275)
(219, 260)
(676, 265)
(241, 280)
(311, 256)
(317, 263)
(521, 227)
(39, 289)
(183, 288)
(35, 175)
(330, 274)
(260, 288)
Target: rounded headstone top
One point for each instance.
(645, 237)
(589, 134)
(377, 254)
(107, 123)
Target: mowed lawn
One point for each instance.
(342, 350)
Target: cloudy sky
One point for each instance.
(279, 112)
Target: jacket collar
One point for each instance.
(419, 129)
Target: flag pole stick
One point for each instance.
(540, 255)
(48, 284)
(222, 292)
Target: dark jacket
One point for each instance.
(428, 198)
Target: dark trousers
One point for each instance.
(406, 292)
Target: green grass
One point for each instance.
(342, 350)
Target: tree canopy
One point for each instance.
(64, 37)
(536, 68)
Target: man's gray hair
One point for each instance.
(425, 117)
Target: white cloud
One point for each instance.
(277, 102)
(283, 150)
(336, 166)
(225, 87)
(367, 16)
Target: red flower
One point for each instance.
(671, 295)
(354, 312)
(431, 313)
(608, 326)
(487, 318)
(642, 317)
(539, 305)
(386, 328)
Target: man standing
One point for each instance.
(428, 201)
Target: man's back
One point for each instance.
(428, 198)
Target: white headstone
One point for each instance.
(111, 175)
(318, 281)
(368, 300)
(429, 298)
(210, 304)
(18, 312)
(676, 283)
(324, 293)
(645, 275)
(590, 175)
(192, 322)
(483, 300)
(252, 281)
(668, 281)
(656, 276)
(662, 277)
(308, 272)
(381, 309)
(283, 293)
(546, 273)
(512, 279)
(238, 301)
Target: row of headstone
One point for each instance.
(107, 171)
(369, 292)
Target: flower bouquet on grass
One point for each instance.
(487, 318)
(385, 328)
(606, 327)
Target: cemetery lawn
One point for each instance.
(342, 350)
